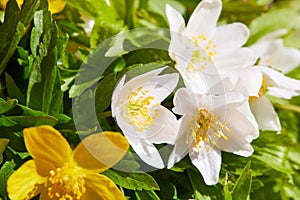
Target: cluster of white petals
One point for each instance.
(223, 104)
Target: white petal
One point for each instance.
(208, 163)
(265, 48)
(176, 21)
(265, 114)
(181, 147)
(285, 59)
(234, 58)
(168, 127)
(250, 81)
(222, 102)
(278, 80)
(243, 129)
(204, 18)
(231, 35)
(140, 80)
(184, 102)
(147, 152)
(115, 100)
(282, 92)
(162, 86)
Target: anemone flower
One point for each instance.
(202, 50)
(211, 124)
(55, 172)
(136, 106)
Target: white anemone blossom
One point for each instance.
(136, 106)
(274, 59)
(202, 50)
(271, 52)
(211, 124)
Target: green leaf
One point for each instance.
(6, 170)
(44, 92)
(104, 92)
(242, 187)
(274, 157)
(12, 89)
(4, 121)
(103, 30)
(227, 190)
(132, 181)
(95, 8)
(28, 121)
(267, 23)
(3, 144)
(141, 195)
(6, 106)
(201, 190)
(13, 28)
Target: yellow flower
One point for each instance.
(58, 173)
(55, 6)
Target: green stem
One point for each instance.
(289, 107)
(105, 114)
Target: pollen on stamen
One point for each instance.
(207, 128)
(138, 109)
(65, 183)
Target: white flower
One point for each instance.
(211, 124)
(271, 52)
(202, 50)
(274, 58)
(275, 84)
(144, 122)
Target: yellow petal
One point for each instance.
(24, 181)
(100, 151)
(102, 188)
(56, 6)
(46, 144)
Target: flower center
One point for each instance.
(138, 109)
(201, 57)
(262, 91)
(207, 127)
(65, 183)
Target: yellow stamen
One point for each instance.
(65, 183)
(207, 127)
(262, 91)
(201, 57)
(137, 109)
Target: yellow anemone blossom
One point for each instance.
(58, 173)
(55, 6)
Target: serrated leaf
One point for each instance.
(6, 170)
(242, 186)
(44, 91)
(132, 181)
(13, 28)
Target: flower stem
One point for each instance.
(105, 114)
(289, 107)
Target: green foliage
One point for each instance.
(53, 71)
(132, 181)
